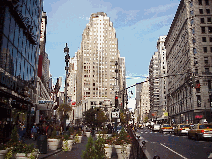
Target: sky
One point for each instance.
(138, 25)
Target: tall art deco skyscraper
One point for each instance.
(96, 67)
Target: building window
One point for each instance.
(206, 60)
(200, 11)
(206, 2)
(202, 20)
(192, 21)
(196, 71)
(207, 70)
(210, 39)
(209, 19)
(209, 29)
(209, 84)
(208, 11)
(211, 49)
(198, 100)
(200, 2)
(203, 29)
(205, 49)
(193, 31)
(194, 50)
(203, 39)
(195, 61)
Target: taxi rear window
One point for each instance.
(184, 126)
(205, 126)
(166, 126)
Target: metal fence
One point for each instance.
(136, 149)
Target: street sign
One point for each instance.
(115, 114)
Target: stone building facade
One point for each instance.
(189, 58)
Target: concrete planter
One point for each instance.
(3, 153)
(88, 133)
(54, 144)
(108, 150)
(67, 145)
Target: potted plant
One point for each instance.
(54, 141)
(108, 145)
(122, 143)
(94, 149)
(3, 150)
(88, 132)
(22, 150)
(71, 132)
(67, 142)
(78, 137)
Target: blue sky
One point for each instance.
(138, 25)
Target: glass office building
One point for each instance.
(20, 22)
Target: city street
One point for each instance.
(176, 147)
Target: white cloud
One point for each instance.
(160, 8)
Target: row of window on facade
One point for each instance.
(205, 50)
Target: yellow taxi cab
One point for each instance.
(166, 128)
(200, 131)
(182, 129)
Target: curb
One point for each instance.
(50, 154)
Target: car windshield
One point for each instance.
(184, 126)
(205, 126)
(166, 126)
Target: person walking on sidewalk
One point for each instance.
(21, 131)
(34, 132)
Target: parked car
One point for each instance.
(156, 127)
(166, 128)
(200, 131)
(182, 129)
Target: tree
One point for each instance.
(94, 117)
(63, 109)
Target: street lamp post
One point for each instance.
(67, 57)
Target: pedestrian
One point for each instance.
(21, 131)
(34, 132)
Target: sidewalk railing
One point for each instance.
(136, 149)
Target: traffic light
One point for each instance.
(116, 101)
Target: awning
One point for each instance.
(162, 118)
(43, 106)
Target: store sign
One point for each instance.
(10, 83)
(46, 102)
(198, 116)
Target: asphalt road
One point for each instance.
(169, 146)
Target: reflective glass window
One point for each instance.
(18, 72)
(20, 40)
(12, 29)
(6, 22)
(3, 52)
(24, 46)
(25, 70)
(22, 68)
(14, 61)
(23, 10)
(16, 35)
(9, 62)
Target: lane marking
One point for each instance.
(174, 151)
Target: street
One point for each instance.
(169, 146)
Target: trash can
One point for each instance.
(42, 144)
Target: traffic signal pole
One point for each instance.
(116, 96)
